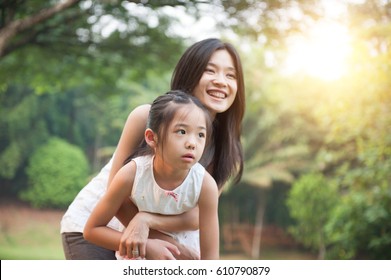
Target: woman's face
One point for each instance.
(218, 84)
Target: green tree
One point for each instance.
(88, 44)
(61, 76)
(89, 121)
(23, 129)
(56, 172)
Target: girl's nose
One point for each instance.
(190, 145)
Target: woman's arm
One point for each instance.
(132, 135)
(182, 222)
(209, 221)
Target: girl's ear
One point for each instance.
(150, 138)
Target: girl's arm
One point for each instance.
(95, 229)
(208, 219)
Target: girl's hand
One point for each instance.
(135, 236)
(187, 253)
(182, 252)
(161, 250)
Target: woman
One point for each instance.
(210, 70)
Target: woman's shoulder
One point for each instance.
(143, 107)
(140, 112)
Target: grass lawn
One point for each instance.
(38, 243)
(31, 234)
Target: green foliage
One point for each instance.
(360, 226)
(78, 51)
(10, 159)
(20, 115)
(56, 172)
(357, 155)
(311, 202)
(89, 121)
(90, 81)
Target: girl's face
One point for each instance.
(186, 138)
(218, 84)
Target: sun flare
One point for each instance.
(322, 52)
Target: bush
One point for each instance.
(311, 202)
(56, 171)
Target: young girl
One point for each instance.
(164, 176)
(211, 70)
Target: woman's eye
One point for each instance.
(209, 70)
(201, 135)
(181, 131)
(231, 76)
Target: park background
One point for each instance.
(316, 133)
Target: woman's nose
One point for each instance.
(219, 79)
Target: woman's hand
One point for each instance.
(134, 237)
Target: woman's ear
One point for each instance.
(150, 138)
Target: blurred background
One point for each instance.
(316, 135)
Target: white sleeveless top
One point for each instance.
(148, 196)
(80, 209)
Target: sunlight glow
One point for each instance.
(321, 53)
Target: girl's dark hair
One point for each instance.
(227, 157)
(161, 114)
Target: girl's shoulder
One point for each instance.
(208, 182)
(126, 172)
(209, 192)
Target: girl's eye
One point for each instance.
(209, 70)
(181, 131)
(201, 135)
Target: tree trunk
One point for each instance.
(257, 236)
(322, 247)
